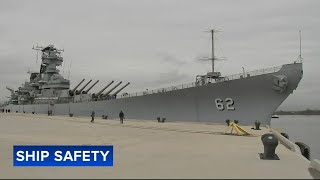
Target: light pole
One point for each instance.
(243, 72)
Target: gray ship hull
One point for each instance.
(244, 99)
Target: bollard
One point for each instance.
(70, 114)
(158, 118)
(16, 111)
(270, 143)
(228, 122)
(33, 112)
(285, 135)
(305, 149)
(163, 119)
(257, 124)
(236, 121)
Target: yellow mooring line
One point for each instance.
(240, 131)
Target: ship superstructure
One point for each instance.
(48, 86)
(45, 85)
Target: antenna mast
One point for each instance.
(300, 56)
(213, 74)
(69, 70)
(212, 58)
(37, 48)
(212, 40)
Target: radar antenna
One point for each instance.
(40, 48)
(37, 48)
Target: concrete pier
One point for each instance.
(147, 149)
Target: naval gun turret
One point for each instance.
(14, 96)
(86, 92)
(107, 93)
(71, 92)
(100, 92)
(80, 90)
(115, 94)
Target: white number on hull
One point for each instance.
(220, 105)
(230, 104)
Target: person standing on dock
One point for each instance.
(121, 116)
(92, 117)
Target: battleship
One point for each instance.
(211, 98)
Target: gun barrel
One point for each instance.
(79, 92)
(85, 92)
(121, 89)
(100, 92)
(72, 92)
(112, 89)
(77, 85)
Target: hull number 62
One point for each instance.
(228, 103)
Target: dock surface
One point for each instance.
(146, 149)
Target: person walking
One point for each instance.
(92, 116)
(121, 116)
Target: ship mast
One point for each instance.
(212, 40)
(300, 56)
(202, 79)
(213, 58)
(299, 59)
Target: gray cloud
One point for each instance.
(168, 58)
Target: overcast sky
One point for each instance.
(155, 44)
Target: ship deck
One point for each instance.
(147, 149)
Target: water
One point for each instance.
(303, 128)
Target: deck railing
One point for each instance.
(193, 84)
